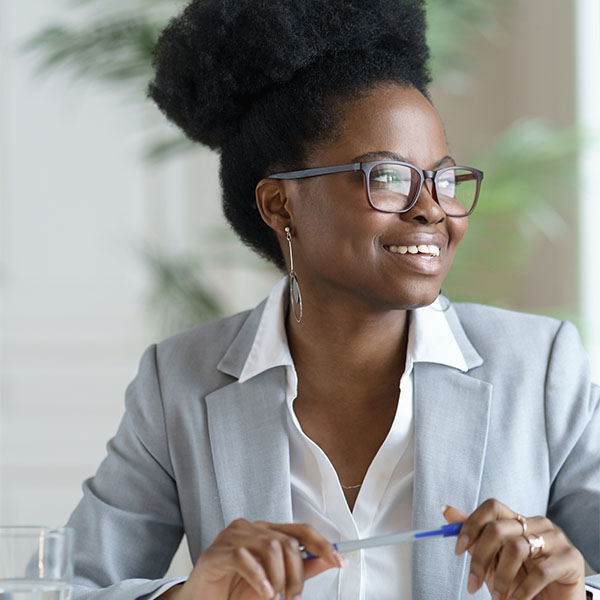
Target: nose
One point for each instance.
(426, 208)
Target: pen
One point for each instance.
(388, 540)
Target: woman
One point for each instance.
(355, 401)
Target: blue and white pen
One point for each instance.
(389, 540)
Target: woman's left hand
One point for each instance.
(503, 558)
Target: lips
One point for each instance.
(422, 256)
(416, 243)
(428, 249)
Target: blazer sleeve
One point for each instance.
(128, 524)
(573, 433)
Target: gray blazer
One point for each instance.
(197, 449)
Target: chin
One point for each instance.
(425, 302)
(422, 298)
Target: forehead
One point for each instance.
(391, 118)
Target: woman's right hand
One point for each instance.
(257, 561)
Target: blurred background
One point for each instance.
(111, 233)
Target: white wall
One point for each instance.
(72, 204)
(77, 204)
(588, 83)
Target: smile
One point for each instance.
(428, 249)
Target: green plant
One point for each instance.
(528, 172)
(179, 291)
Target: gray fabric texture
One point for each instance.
(196, 449)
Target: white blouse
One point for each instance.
(384, 503)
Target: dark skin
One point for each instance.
(349, 352)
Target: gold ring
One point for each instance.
(536, 545)
(523, 522)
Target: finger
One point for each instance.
(294, 569)
(251, 570)
(484, 551)
(509, 569)
(453, 515)
(246, 566)
(538, 525)
(314, 566)
(564, 571)
(514, 561)
(269, 552)
(502, 537)
(313, 541)
(519, 577)
(490, 510)
(263, 543)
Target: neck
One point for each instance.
(345, 342)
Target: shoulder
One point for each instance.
(208, 338)
(191, 359)
(511, 322)
(521, 343)
(507, 330)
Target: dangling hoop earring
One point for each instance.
(295, 295)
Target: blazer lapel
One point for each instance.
(247, 429)
(451, 415)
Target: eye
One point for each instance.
(387, 177)
(446, 183)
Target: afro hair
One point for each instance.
(263, 81)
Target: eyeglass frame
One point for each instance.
(367, 167)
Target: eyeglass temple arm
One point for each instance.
(315, 172)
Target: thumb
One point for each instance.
(453, 515)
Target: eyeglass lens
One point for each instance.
(392, 187)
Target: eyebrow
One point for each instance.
(397, 157)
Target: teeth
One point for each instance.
(431, 250)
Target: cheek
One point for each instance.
(457, 229)
(332, 211)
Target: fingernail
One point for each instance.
(445, 508)
(267, 588)
(339, 559)
(462, 544)
(473, 584)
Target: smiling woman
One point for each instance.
(355, 401)
(336, 216)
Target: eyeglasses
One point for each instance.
(394, 187)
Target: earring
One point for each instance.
(295, 295)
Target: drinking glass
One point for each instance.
(36, 563)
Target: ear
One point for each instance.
(274, 204)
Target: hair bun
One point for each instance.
(212, 61)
